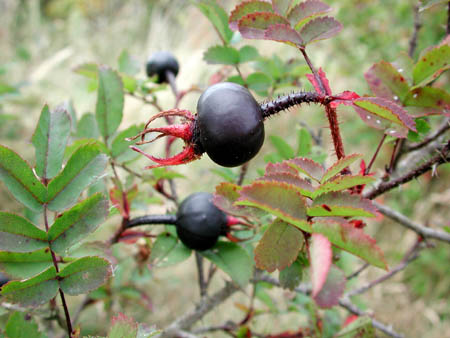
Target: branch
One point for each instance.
(438, 132)
(410, 224)
(417, 26)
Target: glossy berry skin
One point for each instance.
(199, 222)
(161, 62)
(230, 124)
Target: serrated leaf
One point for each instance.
(360, 328)
(333, 288)
(253, 26)
(283, 33)
(248, 53)
(110, 98)
(351, 239)
(32, 292)
(280, 168)
(225, 196)
(291, 276)
(87, 127)
(259, 82)
(233, 260)
(245, 8)
(84, 275)
(321, 255)
(282, 147)
(320, 29)
(341, 183)
(123, 327)
(20, 180)
(341, 204)
(385, 81)
(221, 55)
(303, 186)
(324, 81)
(308, 167)
(383, 114)
(22, 325)
(89, 70)
(84, 167)
(75, 224)
(120, 147)
(279, 199)
(305, 11)
(428, 97)
(340, 165)
(217, 16)
(281, 6)
(50, 140)
(19, 235)
(168, 251)
(25, 265)
(431, 64)
(278, 247)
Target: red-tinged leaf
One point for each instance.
(346, 98)
(431, 65)
(308, 167)
(305, 11)
(253, 26)
(245, 8)
(280, 167)
(281, 6)
(341, 183)
(342, 204)
(385, 115)
(332, 290)
(351, 239)
(320, 29)
(321, 255)
(340, 165)
(385, 81)
(279, 199)
(122, 200)
(428, 97)
(305, 188)
(225, 196)
(323, 79)
(283, 33)
(279, 246)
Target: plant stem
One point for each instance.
(367, 171)
(201, 277)
(242, 173)
(417, 26)
(152, 219)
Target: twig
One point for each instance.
(417, 26)
(438, 132)
(151, 219)
(441, 157)
(410, 224)
(201, 277)
(242, 173)
(357, 272)
(395, 156)
(375, 155)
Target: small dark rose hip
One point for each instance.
(160, 63)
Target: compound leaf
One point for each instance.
(320, 29)
(20, 180)
(278, 247)
(254, 26)
(245, 8)
(341, 183)
(340, 165)
(50, 140)
(283, 33)
(303, 186)
(305, 11)
(225, 196)
(84, 275)
(19, 265)
(248, 53)
(431, 64)
(308, 167)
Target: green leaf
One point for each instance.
(167, 250)
(217, 16)
(428, 97)
(25, 265)
(422, 127)
(75, 224)
(283, 148)
(50, 140)
(233, 260)
(110, 99)
(19, 235)
(20, 180)
(89, 70)
(221, 55)
(291, 276)
(341, 183)
(120, 148)
(431, 64)
(83, 168)
(248, 7)
(340, 165)
(225, 196)
(34, 291)
(305, 11)
(248, 53)
(259, 82)
(304, 143)
(351, 239)
(320, 29)
(341, 204)
(87, 127)
(128, 64)
(359, 328)
(84, 275)
(278, 247)
(21, 325)
(279, 199)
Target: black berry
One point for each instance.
(160, 63)
(230, 124)
(199, 222)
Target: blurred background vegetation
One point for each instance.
(42, 42)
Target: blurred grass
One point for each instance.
(42, 41)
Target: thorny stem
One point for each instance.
(367, 171)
